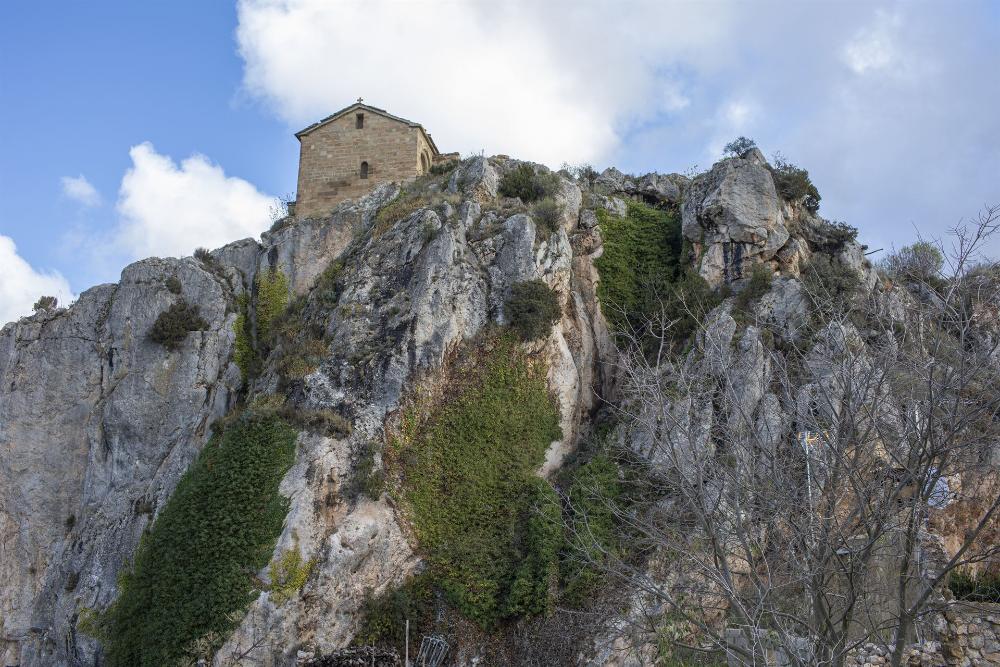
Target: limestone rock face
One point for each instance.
(411, 294)
(734, 218)
(657, 189)
(97, 423)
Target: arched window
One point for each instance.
(364, 170)
(359, 121)
(424, 163)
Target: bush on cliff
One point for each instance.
(532, 308)
(529, 186)
(192, 575)
(174, 324)
(793, 184)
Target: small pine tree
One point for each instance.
(45, 303)
(739, 147)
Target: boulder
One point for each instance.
(733, 217)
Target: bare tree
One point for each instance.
(791, 488)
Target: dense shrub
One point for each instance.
(639, 264)
(443, 167)
(173, 285)
(841, 232)
(756, 286)
(523, 182)
(793, 184)
(593, 497)
(252, 345)
(192, 572)
(537, 554)
(921, 262)
(384, 618)
(548, 214)
(830, 283)
(468, 462)
(532, 308)
(585, 174)
(45, 303)
(979, 588)
(739, 147)
(175, 323)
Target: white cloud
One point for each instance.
(80, 190)
(21, 285)
(547, 81)
(874, 46)
(168, 209)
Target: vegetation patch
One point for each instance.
(975, 588)
(594, 496)
(253, 344)
(548, 214)
(644, 272)
(243, 349)
(193, 573)
(739, 147)
(384, 617)
(174, 324)
(793, 184)
(528, 185)
(272, 299)
(920, 262)
(403, 206)
(757, 285)
(288, 574)
(829, 283)
(45, 303)
(443, 167)
(532, 308)
(468, 463)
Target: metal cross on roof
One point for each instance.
(359, 100)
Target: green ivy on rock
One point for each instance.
(488, 525)
(194, 571)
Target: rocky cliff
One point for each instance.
(99, 422)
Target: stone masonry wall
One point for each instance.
(331, 157)
(970, 638)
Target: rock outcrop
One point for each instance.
(98, 422)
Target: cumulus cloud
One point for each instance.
(21, 285)
(80, 190)
(170, 209)
(546, 81)
(897, 130)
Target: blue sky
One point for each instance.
(129, 129)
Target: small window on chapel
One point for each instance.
(359, 121)
(364, 168)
